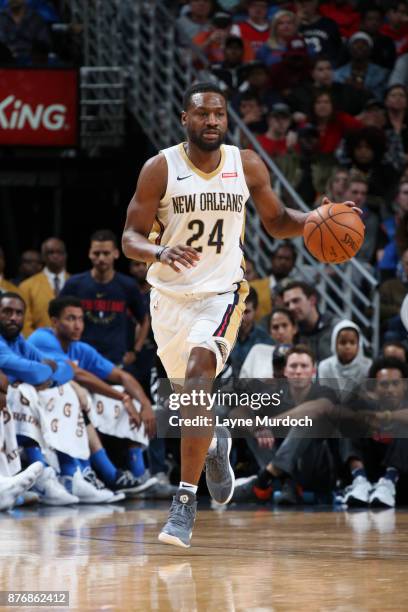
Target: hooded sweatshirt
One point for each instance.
(344, 377)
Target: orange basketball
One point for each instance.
(333, 233)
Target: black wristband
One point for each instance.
(160, 252)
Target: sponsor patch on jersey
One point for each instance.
(229, 174)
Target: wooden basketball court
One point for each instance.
(256, 558)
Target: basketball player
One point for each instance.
(191, 199)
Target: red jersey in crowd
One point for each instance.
(255, 35)
(271, 146)
(400, 37)
(346, 17)
(331, 136)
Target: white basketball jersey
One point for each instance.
(207, 212)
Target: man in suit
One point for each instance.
(40, 289)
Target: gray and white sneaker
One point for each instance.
(131, 486)
(90, 476)
(182, 514)
(357, 495)
(51, 492)
(219, 474)
(11, 487)
(383, 494)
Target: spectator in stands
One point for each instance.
(249, 334)
(138, 269)
(284, 28)
(395, 228)
(42, 287)
(315, 329)
(278, 139)
(106, 297)
(255, 28)
(399, 74)
(293, 69)
(358, 190)
(20, 26)
(232, 71)
(46, 9)
(396, 26)
(30, 263)
(268, 289)
(251, 113)
(396, 350)
(258, 82)
(259, 362)
(337, 185)
(374, 114)
(5, 285)
(347, 368)
(396, 104)
(345, 98)
(376, 462)
(251, 273)
(284, 462)
(333, 125)
(343, 13)
(321, 33)
(196, 20)
(365, 149)
(361, 72)
(383, 52)
(308, 169)
(393, 292)
(282, 264)
(212, 42)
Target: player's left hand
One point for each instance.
(348, 203)
(148, 419)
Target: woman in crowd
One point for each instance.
(332, 125)
(284, 28)
(259, 361)
(337, 186)
(365, 150)
(396, 104)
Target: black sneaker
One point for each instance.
(289, 495)
(126, 482)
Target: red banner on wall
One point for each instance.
(39, 107)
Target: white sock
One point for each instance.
(188, 487)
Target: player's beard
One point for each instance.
(198, 141)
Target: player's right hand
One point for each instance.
(181, 255)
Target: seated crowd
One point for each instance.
(322, 88)
(79, 369)
(38, 33)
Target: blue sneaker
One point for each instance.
(218, 471)
(179, 526)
